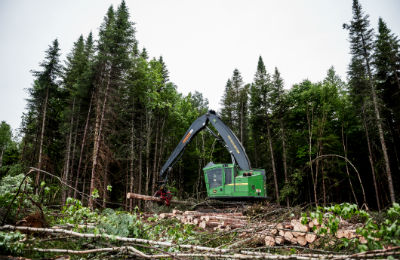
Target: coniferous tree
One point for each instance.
(43, 117)
(278, 108)
(5, 139)
(361, 40)
(260, 107)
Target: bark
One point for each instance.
(370, 158)
(284, 158)
(68, 154)
(140, 166)
(41, 140)
(73, 152)
(148, 143)
(153, 185)
(131, 162)
(379, 123)
(105, 184)
(1, 157)
(97, 137)
(310, 134)
(271, 149)
(83, 145)
(133, 196)
(347, 168)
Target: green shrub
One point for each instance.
(10, 242)
(8, 188)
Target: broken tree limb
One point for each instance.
(131, 195)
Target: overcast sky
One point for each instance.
(202, 42)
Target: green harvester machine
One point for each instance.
(235, 181)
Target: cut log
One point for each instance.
(176, 212)
(297, 226)
(280, 240)
(223, 218)
(288, 236)
(301, 241)
(269, 241)
(197, 213)
(131, 195)
(310, 237)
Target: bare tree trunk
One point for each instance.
(161, 146)
(153, 186)
(379, 124)
(105, 186)
(310, 134)
(148, 142)
(83, 145)
(131, 163)
(97, 138)
(41, 140)
(1, 157)
(347, 168)
(68, 153)
(140, 163)
(284, 158)
(271, 149)
(371, 162)
(323, 182)
(71, 176)
(83, 191)
(241, 122)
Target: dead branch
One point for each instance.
(118, 238)
(131, 195)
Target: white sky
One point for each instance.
(202, 42)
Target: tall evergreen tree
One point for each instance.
(5, 139)
(361, 41)
(43, 117)
(260, 110)
(114, 59)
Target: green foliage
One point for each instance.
(121, 223)
(10, 243)
(376, 235)
(384, 234)
(75, 213)
(8, 189)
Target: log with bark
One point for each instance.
(131, 195)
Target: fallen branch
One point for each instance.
(215, 252)
(241, 255)
(111, 237)
(131, 195)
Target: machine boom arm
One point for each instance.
(232, 143)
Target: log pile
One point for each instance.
(215, 221)
(270, 234)
(295, 233)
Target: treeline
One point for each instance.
(328, 141)
(107, 119)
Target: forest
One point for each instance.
(102, 123)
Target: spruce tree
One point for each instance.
(44, 108)
(5, 139)
(260, 110)
(361, 46)
(387, 55)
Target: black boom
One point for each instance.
(232, 143)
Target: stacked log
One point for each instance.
(293, 232)
(215, 221)
(299, 234)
